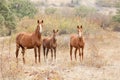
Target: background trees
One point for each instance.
(13, 10)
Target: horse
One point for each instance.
(50, 43)
(78, 43)
(29, 41)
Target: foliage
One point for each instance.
(105, 3)
(65, 25)
(116, 19)
(117, 5)
(49, 11)
(23, 8)
(10, 10)
(7, 17)
(84, 10)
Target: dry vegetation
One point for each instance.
(101, 58)
(101, 54)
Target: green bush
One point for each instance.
(2, 20)
(49, 11)
(116, 18)
(23, 8)
(10, 10)
(84, 10)
(105, 3)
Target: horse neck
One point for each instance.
(80, 38)
(53, 39)
(37, 34)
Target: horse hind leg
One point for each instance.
(23, 53)
(17, 51)
(71, 52)
(35, 54)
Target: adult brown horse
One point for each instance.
(50, 43)
(77, 42)
(29, 41)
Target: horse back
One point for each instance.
(25, 40)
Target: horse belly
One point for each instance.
(27, 43)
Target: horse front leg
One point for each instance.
(55, 53)
(35, 54)
(52, 54)
(39, 48)
(75, 53)
(82, 53)
(44, 53)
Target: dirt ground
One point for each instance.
(101, 61)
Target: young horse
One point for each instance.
(50, 43)
(29, 41)
(78, 43)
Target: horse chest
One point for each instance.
(54, 45)
(36, 42)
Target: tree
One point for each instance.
(23, 8)
(10, 10)
(7, 17)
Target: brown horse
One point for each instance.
(50, 43)
(29, 41)
(77, 42)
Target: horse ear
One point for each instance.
(57, 30)
(77, 26)
(38, 21)
(42, 21)
(53, 30)
(81, 26)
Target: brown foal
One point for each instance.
(50, 43)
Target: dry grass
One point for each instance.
(99, 63)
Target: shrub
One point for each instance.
(23, 8)
(116, 18)
(49, 11)
(10, 10)
(83, 11)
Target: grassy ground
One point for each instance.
(101, 60)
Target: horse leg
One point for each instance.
(44, 52)
(17, 52)
(35, 54)
(75, 53)
(47, 53)
(82, 53)
(39, 48)
(71, 52)
(23, 53)
(55, 53)
(52, 54)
